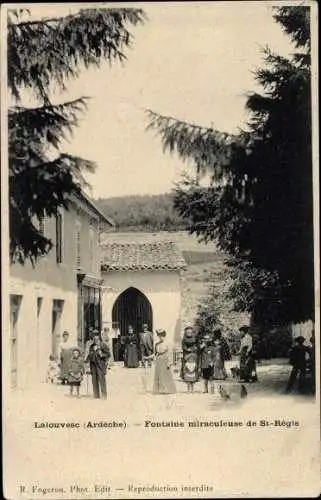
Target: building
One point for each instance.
(142, 284)
(62, 292)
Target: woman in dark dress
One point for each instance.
(190, 360)
(131, 352)
(221, 354)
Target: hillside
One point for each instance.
(142, 213)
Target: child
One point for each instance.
(189, 368)
(76, 371)
(53, 370)
(207, 361)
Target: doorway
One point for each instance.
(57, 308)
(132, 307)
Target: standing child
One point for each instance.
(189, 369)
(76, 371)
(207, 361)
(53, 370)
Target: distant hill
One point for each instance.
(142, 213)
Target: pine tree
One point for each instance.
(259, 206)
(42, 54)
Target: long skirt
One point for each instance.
(65, 361)
(148, 377)
(247, 366)
(163, 378)
(131, 360)
(219, 372)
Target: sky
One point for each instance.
(192, 61)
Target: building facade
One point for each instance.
(62, 292)
(142, 284)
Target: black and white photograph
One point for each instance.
(160, 250)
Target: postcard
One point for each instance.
(160, 250)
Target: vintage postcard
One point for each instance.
(160, 250)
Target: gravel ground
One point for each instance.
(110, 462)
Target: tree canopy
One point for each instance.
(259, 205)
(43, 54)
(143, 212)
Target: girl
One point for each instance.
(189, 370)
(53, 370)
(163, 378)
(76, 371)
(207, 361)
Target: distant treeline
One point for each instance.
(142, 213)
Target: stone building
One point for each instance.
(142, 284)
(62, 292)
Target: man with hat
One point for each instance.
(98, 357)
(146, 343)
(299, 364)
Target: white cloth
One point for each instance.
(65, 345)
(246, 341)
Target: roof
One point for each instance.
(89, 202)
(146, 256)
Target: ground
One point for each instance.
(145, 456)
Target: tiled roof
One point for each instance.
(147, 256)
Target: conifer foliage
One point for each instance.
(42, 55)
(259, 206)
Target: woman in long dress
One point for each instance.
(131, 353)
(247, 361)
(64, 357)
(190, 360)
(221, 354)
(163, 378)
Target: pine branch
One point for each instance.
(47, 123)
(210, 149)
(43, 52)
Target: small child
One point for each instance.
(53, 370)
(76, 371)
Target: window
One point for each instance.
(57, 308)
(59, 238)
(39, 304)
(15, 301)
(91, 248)
(78, 244)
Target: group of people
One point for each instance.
(203, 356)
(71, 363)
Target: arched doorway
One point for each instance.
(133, 308)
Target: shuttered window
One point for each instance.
(91, 248)
(78, 244)
(59, 238)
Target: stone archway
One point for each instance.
(132, 307)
